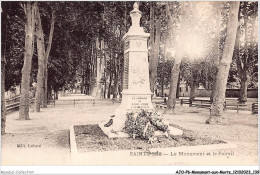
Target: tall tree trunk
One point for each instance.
(241, 65)
(109, 86)
(123, 63)
(46, 60)
(43, 90)
(56, 97)
(105, 76)
(115, 90)
(116, 76)
(243, 88)
(162, 81)
(166, 45)
(216, 57)
(110, 77)
(214, 87)
(151, 58)
(179, 54)
(3, 63)
(243, 61)
(41, 58)
(49, 95)
(3, 115)
(192, 90)
(217, 106)
(83, 77)
(173, 87)
(154, 60)
(99, 68)
(29, 9)
(178, 87)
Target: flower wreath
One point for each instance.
(144, 124)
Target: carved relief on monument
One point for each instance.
(138, 44)
(139, 77)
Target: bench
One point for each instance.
(201, 103)
(197, 103)
(235, 106)
(11, 107)
(186, 101)
(15, 106)
(12, 100)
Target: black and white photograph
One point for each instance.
(124, 83)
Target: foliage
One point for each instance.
(12, 35)
(81, 28)
(164, 71)
(247, 57)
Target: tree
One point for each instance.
(3, 62)
(3, 115)
(216, 50)
(152, 61)
(43, 57)
(178, 57)
(4, 20)
(41, 60)
(163, 68)
(29, 9)
(156, 54)
(46, 61)
(246, 46)
(217, 106)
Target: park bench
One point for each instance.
(197, 103)
(185, 101)
(255, 108)
(12, 100)
(15, 105)
(201, 103)
(12, 107)
(236, 106)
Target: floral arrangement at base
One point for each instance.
(144, 124)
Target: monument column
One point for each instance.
(136, 93)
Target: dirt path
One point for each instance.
(44, 139)
(239, 128)
(47, 132)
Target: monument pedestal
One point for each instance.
(136, 95)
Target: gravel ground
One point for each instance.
(50, 130)
(239, 128)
